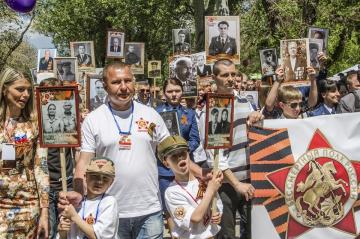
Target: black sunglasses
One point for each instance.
(294, 105)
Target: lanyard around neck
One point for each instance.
(117, 125)
(97, 208)
(192, 197)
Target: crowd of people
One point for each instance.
(130, 174)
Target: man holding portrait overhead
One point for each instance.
(223, 43)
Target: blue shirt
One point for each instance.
(188, 130)
(321, 110)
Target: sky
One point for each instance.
(38, 40)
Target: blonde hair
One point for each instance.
(7, 77)
(288, 93)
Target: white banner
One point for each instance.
(308, 188)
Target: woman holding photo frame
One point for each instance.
(24, 187)
(173, 91)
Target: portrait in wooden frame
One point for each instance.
(219, 121)
(58, 116)
(85, 54)
(115, 43)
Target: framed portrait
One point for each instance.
(58, 116)
(115, 44)
(252, 97)
(95, 92)
(222, 38)
(45, 60)
(202, 69)
(268, 60)
(66, 69)
(319, 33)
(134, 56)
(295, 58)
(181, 41)
(154, 69)
(315, 47)
(219, 121)
(182, 68)
(171, 121)
(84, 53)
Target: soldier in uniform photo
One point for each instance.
(294, 64)
(182, 47)
(99, 98)
(269, 64)
(47, 62)
(314, 50)
(154, 72)
(52, 124)
(65, 74)
(69, 120)
(83, 58)
(131, 58)
(223, 43)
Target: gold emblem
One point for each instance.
(321, 188)
(142, 125)
(90, 219)
(184, 120)
(179, 213)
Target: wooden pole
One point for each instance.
(215, 169)
(63, 169)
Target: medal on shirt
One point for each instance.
(90, 219)
(125, 142)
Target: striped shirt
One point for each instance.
(237, 157)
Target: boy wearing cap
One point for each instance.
(98, 216)
(187, 199)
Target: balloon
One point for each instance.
(22, 6)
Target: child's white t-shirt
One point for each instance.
(180, 200)
(107, 220)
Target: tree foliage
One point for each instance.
(263, 24)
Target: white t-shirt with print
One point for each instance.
(181, 206)
(106, 225)
(136, 186)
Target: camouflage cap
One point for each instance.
(170, 144)
(101, 165)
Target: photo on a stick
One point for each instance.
(135, 56)
(45, 60)
(95, 91)
(85, 54)
(268, 59)
(219, 121)
(66, 69)
(181, 41)
(115, 44)
(154, 69)
(58, 116)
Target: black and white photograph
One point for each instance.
(171, 121)
(319, 33)
(58, 111)
(252, 97)
(295, 58)
(85, 54)
(222, 38)
(181, 41)
(182, 68)
(33, 72)
(268, 59)
(95, 92)
(219, 118)
(134, 56)
(66, 69)
(115, 44)
(45, 60)
(154, 69)
(202, 69)
(315, 47)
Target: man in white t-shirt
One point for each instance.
(128, 133)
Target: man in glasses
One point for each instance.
(223, 43)
(144, 94)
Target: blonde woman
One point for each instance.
(24, 180)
